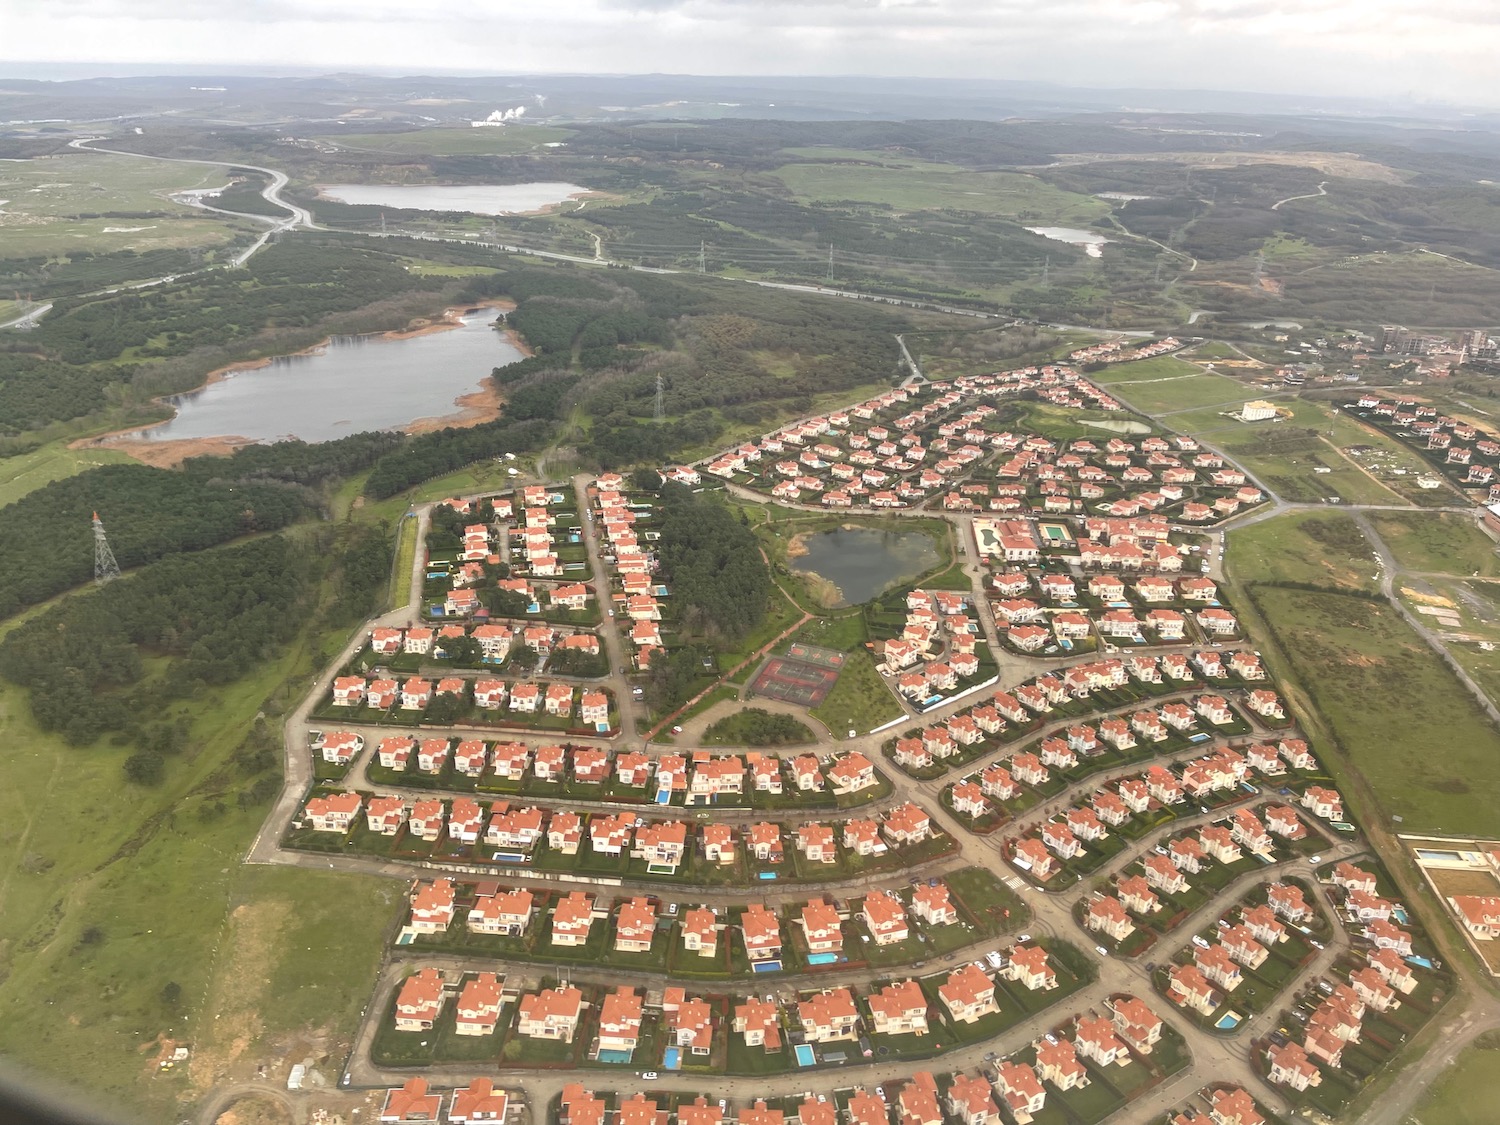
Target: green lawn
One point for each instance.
(1160, 395)
(859, 700)
(1403, 721)
(1440, 542)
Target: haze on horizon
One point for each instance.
(1439, 51)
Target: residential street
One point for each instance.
(1215, 1056)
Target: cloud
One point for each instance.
(1440, 48)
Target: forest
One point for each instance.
(46, 540)
(217, 613)
(723, 353)
(711, 561)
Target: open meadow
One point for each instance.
(909, 185)
(99, 203)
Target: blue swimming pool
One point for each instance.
(822, 958)
(805, 1056)
(766, 875)
(614, 1056)
(671, 1059)
(1420, 962)
(1399, 913)
(1227, 1020)
(1066, 645)
(766, 966)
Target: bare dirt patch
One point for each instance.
(255, 1111)
(1451, 882)
(242, 969)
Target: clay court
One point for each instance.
(804, 676)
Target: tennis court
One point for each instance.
(801, 682)
(812, 654)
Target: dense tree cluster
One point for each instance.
(364, 570)
(46, 539)
(217, 614)
(295, 461)
(713, 565)
(442, 451)
(292, 283)
(755, 726)
(35, 391)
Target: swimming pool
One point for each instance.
(1067, 645)
(1428, 853)
(766, 966)
(822, 958)
(1420, 962)
(613, 1056)
(805, 1056)
(766, 875)
(671, 1058)
(1227, 1020)
(1399, 913)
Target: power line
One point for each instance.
(105, 567)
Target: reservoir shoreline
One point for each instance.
(483, 404)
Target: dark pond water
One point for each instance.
(862, 562)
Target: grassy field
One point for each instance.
(455, 142)
(131, 916)
(406, 557)
(1437, 542)
(1324, 548)
(918, 186)
(1466, 1094)
(53, 461)
(1145, 370)
(46, 196)
(859, 701)
(1366, 466)
(1160, 394)
(1401, 718)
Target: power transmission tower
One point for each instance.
(105, 567)
(1157, 278)
(1046, 268)
(382, 222)
(830, 261)
(702, 257)
(1260, 268)
(661, 398)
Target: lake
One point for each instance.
(355, 383)
(1091, 241)
(862, 562)
(477, 199)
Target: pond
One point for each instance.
(1091, 241)
(352, 384)
(859, 563)
(477, 199)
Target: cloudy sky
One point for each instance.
(1429, 49)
